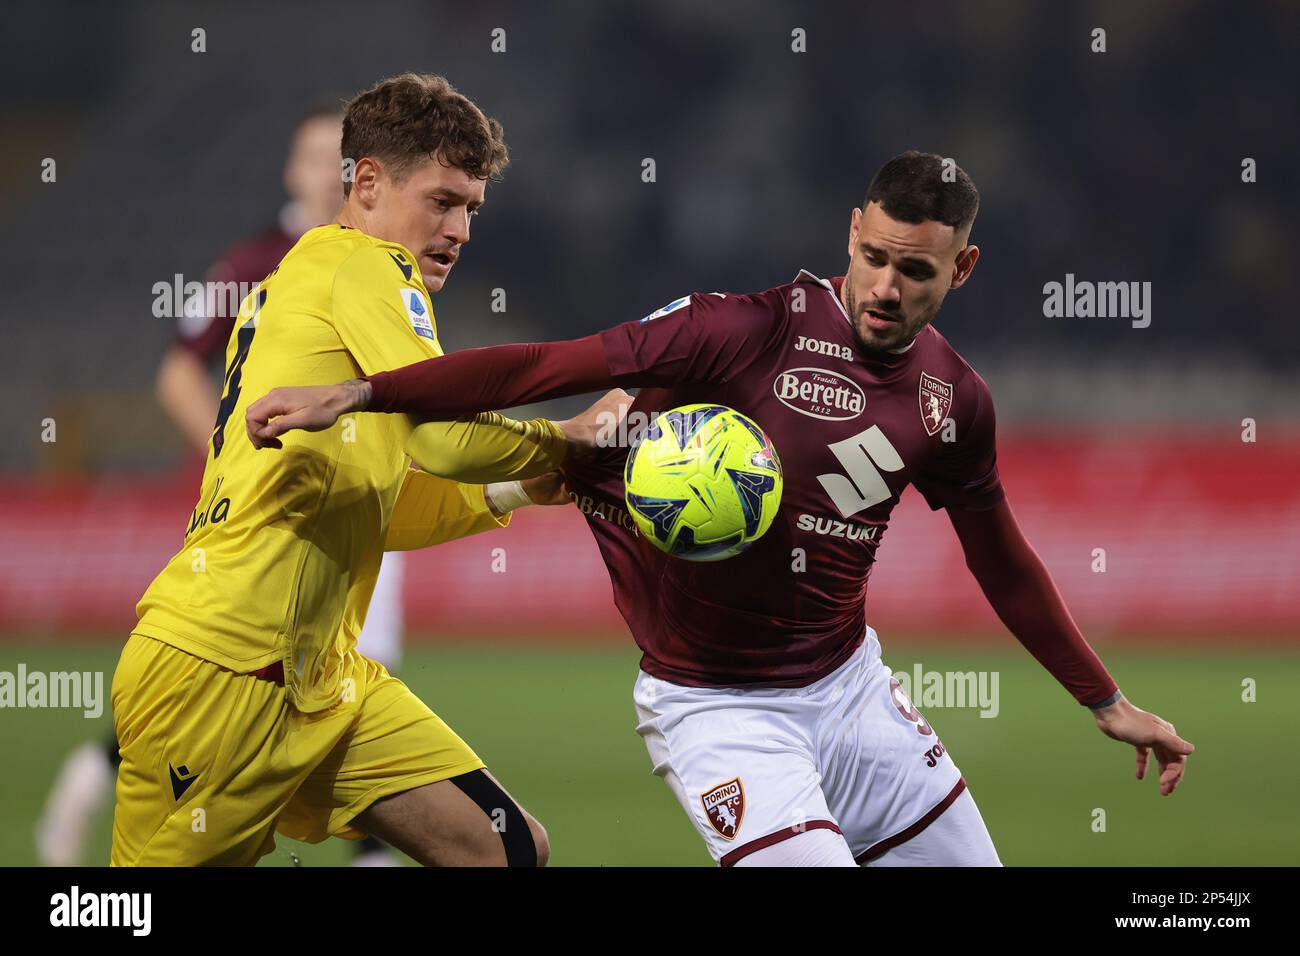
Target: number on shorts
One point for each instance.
(908, 709)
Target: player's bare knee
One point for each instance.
(517, 833)
(540, 839)
(512, 837)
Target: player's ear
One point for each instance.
(961, 269)
(365, 179)
(855, 221)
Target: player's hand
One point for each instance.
(598, 426)
(312, 408)
(547, 489)
(1147, 732)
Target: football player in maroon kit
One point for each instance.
(762, 697)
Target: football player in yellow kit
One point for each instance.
(240, 702)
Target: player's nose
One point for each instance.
(886, 290)
(456, 226)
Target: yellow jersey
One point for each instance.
(282, 550)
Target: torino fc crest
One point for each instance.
(725, 807)
(936, 401)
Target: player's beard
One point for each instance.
(896, 338)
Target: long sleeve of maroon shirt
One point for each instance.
(503, 376)
(490, 379)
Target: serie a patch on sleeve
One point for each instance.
(672, 306)
(417, 310)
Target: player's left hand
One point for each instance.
(547, 489)
(1147, 732)
(598, 426)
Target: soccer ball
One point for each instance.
(704, 483)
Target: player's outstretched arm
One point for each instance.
(489, 447)
(705, 340)
(431, 510)
(1021, 590)
(450, 386)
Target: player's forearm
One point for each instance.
(488, 448)
(187, 396)
(1026, 599)
(431, 510)
(489, 379)
(1036, 615)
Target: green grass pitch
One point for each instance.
(556, 725)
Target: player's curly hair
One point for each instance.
(916, 186)
(406, 119)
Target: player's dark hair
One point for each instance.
(913, 187)
(417, 116)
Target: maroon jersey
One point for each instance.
(205, 327)
(853, 429)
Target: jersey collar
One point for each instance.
(833, 287)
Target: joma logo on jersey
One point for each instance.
(820, 393)
(821, 347)
(725, 808)
(838, 529)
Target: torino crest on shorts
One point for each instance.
(725, 807)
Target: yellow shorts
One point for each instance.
(214, 762)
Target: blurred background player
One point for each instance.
(187, 391)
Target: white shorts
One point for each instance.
(849, 753)
(381, 636)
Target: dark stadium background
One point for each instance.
(1117, 166)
